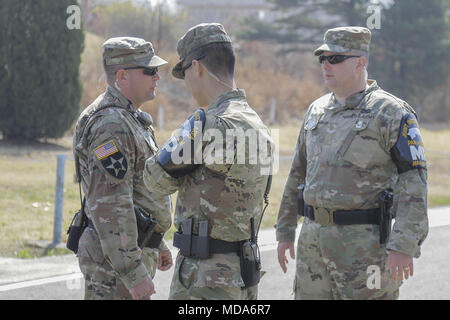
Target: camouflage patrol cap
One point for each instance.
(344, 39)
(195, 38)
(130, 50)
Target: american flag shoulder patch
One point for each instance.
(105, 150)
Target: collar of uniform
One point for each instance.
(119, 98)
(235, 94)
(354, 101)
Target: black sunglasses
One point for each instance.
(187, 66)
(335, 59)
(146, 71)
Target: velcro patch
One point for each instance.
(116, 165)
(409, 153)
(105, 150)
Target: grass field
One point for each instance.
(28, 179)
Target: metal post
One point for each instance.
(160, 117)
(59, 197)
(273, 109)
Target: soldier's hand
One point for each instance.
(143, 290)
(165, 261)
(282, 247)
(400, 265)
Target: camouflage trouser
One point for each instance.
(183, 287)
(101, 281)
(342, 262)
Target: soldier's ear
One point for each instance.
(121, 75)
(197, 67)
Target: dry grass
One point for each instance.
(27, 187)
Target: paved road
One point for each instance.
(59, 278)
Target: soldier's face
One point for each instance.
(339, 76)
(142, 86)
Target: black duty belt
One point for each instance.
(201, 247)
(154, 242)
(342, 217)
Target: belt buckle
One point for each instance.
(323, 216)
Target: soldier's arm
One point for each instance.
(157, 179)
(410, 192)
(109, 198)
(160, 208)
(164, 171)
(288, 213)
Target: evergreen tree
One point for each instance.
(301, 23)
(410, 53)
(39, 69)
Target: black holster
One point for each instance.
(250, 263)
(193, 246)
(202, 246)
(385, 201)
(76, 229)
(301, 200)
(250, 259)
(147, 238)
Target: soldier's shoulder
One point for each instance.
(237, 114)
(217, 121)
(388, 105)
(320, 103)
(220, 117)
(111, 117)
(99, 120)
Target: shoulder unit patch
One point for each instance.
(409, 153)
(112, 159)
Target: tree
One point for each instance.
(39, 68)
(409, 53)
(125, 18)
(300, 23)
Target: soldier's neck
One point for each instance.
(211, 92)
(341, 96)
(134, 104)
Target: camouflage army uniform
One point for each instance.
(343, 158)
(227, 195)
(112, 146)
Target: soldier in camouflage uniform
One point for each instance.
(225, 195)
(112, 140)
(354, 143)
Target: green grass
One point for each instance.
(28, 179)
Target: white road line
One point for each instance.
(37, 282)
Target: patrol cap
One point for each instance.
(130, 50)
(195, 38)
(344, 39)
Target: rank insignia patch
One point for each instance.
(311, 124)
